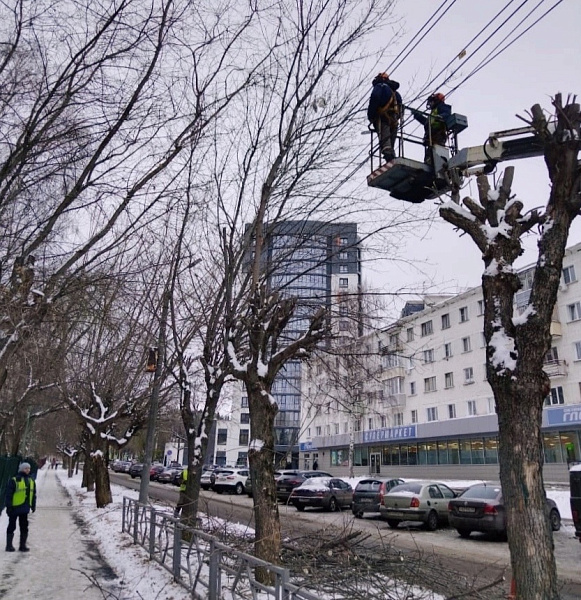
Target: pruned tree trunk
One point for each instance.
(103, 495)
(517, 344)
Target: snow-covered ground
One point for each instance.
(144, 579)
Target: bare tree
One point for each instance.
(96, 115)
(517, 344)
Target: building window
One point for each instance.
(448, 350)
(412, 388)
(466, 344)
(480, 307)
(430, 384)
(244, 402)
(464, 314)
(427, 328)
(394, 385)
(555, 397)
(552, 355)
(577, 350)
(398, 419)
(328, 430)
(451, 411)
(343, 325)
(482, 340)
(383, 421)
(336, 428)
(469, 375)
(343, 268)
(472, 408)
(414, 416)
(357, 425)
(318, 430)
(449, 380)
(574, 311)
(343, 255)
(343, 309)
(410, 334)
(428, 356)
(309, 432)
(446, 321)
(369, 424)
(569, 274)
(244, 418)
(222, 436)
(343, 282)
(244, 437)
(432, 413)
(345, 427)
(491, 405)
(343, 241)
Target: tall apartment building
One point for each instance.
(413, 398)
(319, 263)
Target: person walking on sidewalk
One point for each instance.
(20, 500)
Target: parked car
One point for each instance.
(277, 474)
(322, 492)
(154, 471)
(122, 466)
(206, 481)
(230, 480)
(113, 465)
(423, 501)
(135, 470)
(289, 480)
(368, 493)
(167, 475)
(481, 508)
(177, 478)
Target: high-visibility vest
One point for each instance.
(19, 496)
(184, 479)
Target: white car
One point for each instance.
(231, 480)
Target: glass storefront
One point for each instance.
(559, 447)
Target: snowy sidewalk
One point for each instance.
(61, 559)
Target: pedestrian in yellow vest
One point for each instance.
(183, 499)
(20, 500)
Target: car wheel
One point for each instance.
(218, 491)
(392, 523)
(300, 507)
(133, 476)
(205, 487)
(358, 514)
(555, 519)
(465, 533)
(239, 489)
(333, 506)
(432, 521)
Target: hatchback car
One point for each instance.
(230, 480)
(168, 475)
(321, 492)
(289, 480)
(423, 501)
(277, 474)
(481, 508)
(154, 471)
(368, 493)
(135, 470)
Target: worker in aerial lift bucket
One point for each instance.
(384, 112)
(436, 131)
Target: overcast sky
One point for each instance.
(542, 62)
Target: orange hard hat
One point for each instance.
(438, 96)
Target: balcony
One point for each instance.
(555, 368)
(395, 400)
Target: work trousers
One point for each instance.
(386, 129)
(22, 523)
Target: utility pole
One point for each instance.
(154, 401)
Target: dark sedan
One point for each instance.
(154, 471)
(168, 475)
(368, 493)
(322, 492)
(481, 508)
(135, 470)
(287, 482)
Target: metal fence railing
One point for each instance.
(200, 562)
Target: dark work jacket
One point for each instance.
(441, 110)
(25, 508)
(381, 94)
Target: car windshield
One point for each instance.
(413, 488)
(321, 483)
(486, 492)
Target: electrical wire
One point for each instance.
(484, 62)
(394, 65)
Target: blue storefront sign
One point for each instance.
(389, 435)
(564, 415)
(307, 447)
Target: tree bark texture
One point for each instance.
(517, 344)
(103, 495)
